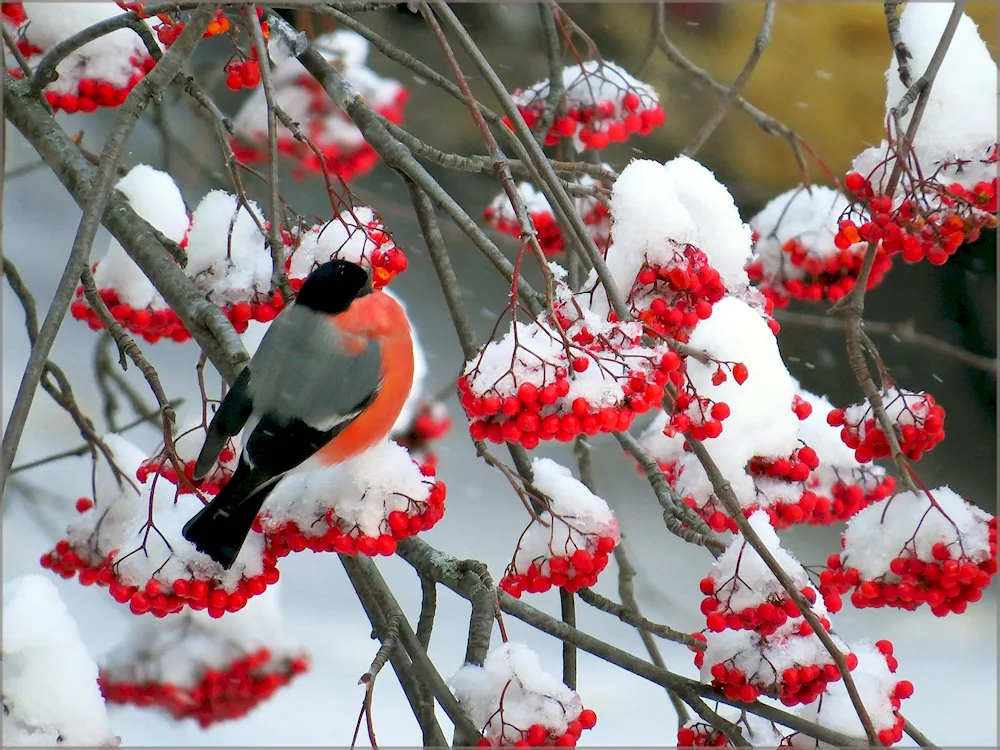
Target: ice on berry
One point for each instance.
(357, 235)
(602, 104)
(500, 214)
(50, 692)
(512, 674)
(573, 548)
(796, 253)
(658, 209)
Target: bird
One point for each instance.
(328, 381)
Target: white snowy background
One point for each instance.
(951, 661)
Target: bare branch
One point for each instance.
(759, 45)
(905, 332)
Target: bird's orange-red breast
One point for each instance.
(375, 316)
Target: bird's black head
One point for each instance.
(333, 286)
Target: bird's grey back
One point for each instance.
(300, 372)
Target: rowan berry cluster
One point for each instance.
(602, 104)
(157, 597)
(334, 144)
(671, 299)
(919, 417)
(538, 736)
(945, 554)
(332, 534)
(798, 253)
(931, 220)
(699, 734)
(218, 695)
(571, 571)
(537, 402)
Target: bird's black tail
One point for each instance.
(221, 527)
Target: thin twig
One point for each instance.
(759, 45)
(279, 279)
(905, 332)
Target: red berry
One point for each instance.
(740, 373)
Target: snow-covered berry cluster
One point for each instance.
(98, 74)
(190, 437)
(918, 417)
(341, 147)
(500, 215)
(192, 666)
(227, 257)
(880, 690)
(601, 104)
(801, 251)
(931, 223)
(358, 235)
(152, 568)
(569, 544)
(538, 383)
(363, 506)
(758, 642)
(926, 547)
(946, 191)
(516, 703)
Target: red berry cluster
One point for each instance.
(671, 299)
(386, 264)
(14, 12)
(931, 222)
(91, 94)
(700, 735)
(597, 125)
(539, 411)
(550, 236)
(210, 485)
(538, 736)
(794, 468)
(347, 161)
(217, 696)
(327, 534)
(830, 277)
(431, 423)
(571, 572)
(947, 584)
(168, 29)
(243, 74)
(919, 416)
(156, 597)
(900, 692)
(764, 619)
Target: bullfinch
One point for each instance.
(327, 383)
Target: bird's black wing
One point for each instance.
(229, 419)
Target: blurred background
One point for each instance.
(823, 76)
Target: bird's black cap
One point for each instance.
(333, 286)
